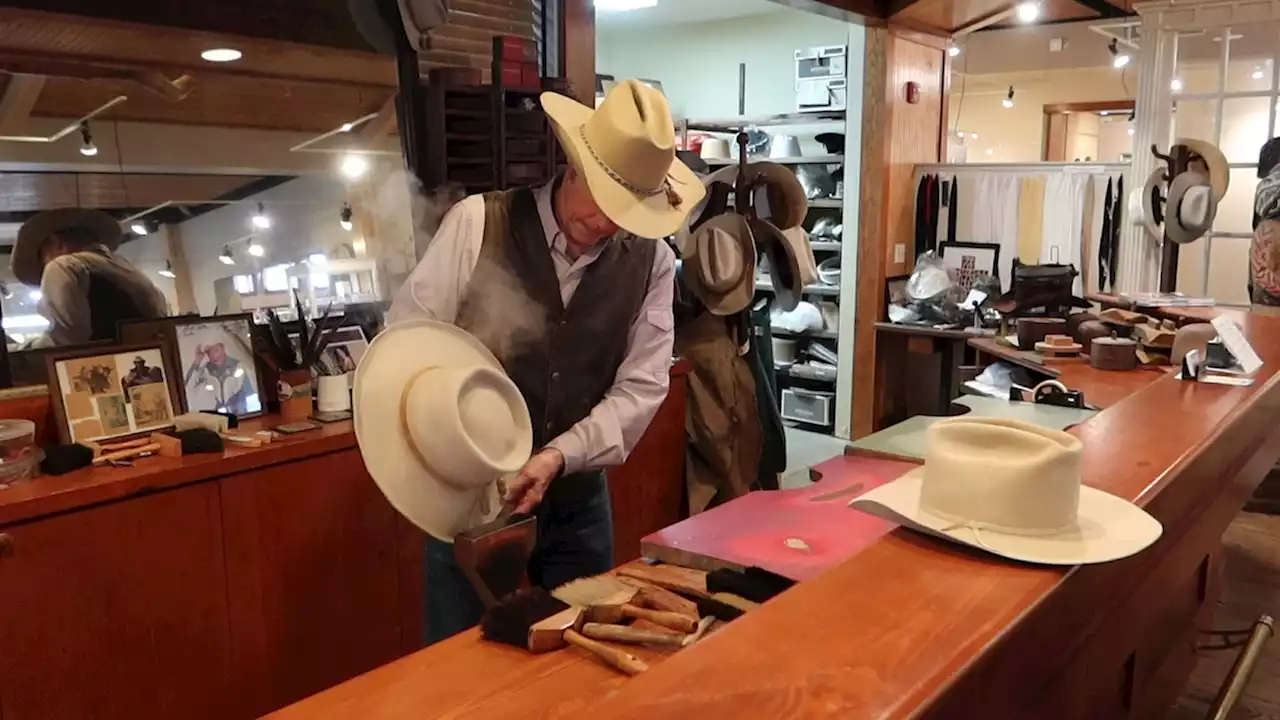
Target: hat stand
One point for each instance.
(1177, 160)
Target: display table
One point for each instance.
(1102, 388)
(915, 627)
(919, 371)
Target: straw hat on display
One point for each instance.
(720, 264)
(1013, 489)
(626, 152)
(25, 260)
(1216, 168)
(438, 423)
(1191, 208)
(785, 267)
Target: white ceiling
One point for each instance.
(680, 12)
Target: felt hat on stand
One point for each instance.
(785, 266)
(1216, 169)
(626, 153)
(438, 423)
(25, 260)
(720, 264)
(1191, 208)
(777, 196)
(1012, 489)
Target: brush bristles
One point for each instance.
(509, 621)
(588, 591)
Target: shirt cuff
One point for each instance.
(571, 447)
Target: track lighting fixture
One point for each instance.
(225, 258)
(1118, 59)
(345, 217)
(1028, 11)
(260, 219)
(139, 228)
(1008, 101)
(317, 259)
(255, 249)
(87, 148)
(168, 270)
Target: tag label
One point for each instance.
(1233, 337)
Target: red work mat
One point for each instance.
(794, 533)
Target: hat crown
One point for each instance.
(631, 136)
(468, 424)
(720, 259)
(1003, 475)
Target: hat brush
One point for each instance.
(607, 599)
(534, 620)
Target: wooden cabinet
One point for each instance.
(117, 612)
(313, 578)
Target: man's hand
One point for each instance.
(525, 491)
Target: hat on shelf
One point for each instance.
(832, 141)
(782, 147)
(1215, 164)
(1191, 208)
(438, 423)
(720, 264)
(829, 271)
(714, 148)
(1146, 205)
(693, 161)
(1012, 489)
(625, 150)
(784, 254)
(25, 260)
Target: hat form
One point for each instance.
(784, 261)
(784, 146)
(832, 141)
(721, 264)
(1219, 172)
(714, 148)
(626, 152)
(1191, 208)
(438, 422)
(1013, 489)
(25, 260)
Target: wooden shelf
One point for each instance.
(828, 290)
(802, 160)
(825, 245)
(821, 334)
(831, 203)
(733, 124)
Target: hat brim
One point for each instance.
(394, 358)
(25, 260)
(1144, 211)
(1107, 527)
(737, 298)
(1219, 170)
(646, 216)
(789, 288)
(1173, 226)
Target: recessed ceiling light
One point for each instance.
(1175, 85)
(256, 250)
(354, 166)
(138, 228)
(953, 50)
(1028, 11)
(222, 55)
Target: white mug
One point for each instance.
(333, 393)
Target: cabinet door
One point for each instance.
(118, 611)
(312, 567)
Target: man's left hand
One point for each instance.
(525, 491)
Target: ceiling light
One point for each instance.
(225, 258)
(222, 55)
(1008, 100)
(1028, 11)
(973, 135)
(35, 295)
(990, 151)
(87, 148)
(345, 217)
(139, 228)
(1175, 85)
(953, 50)
(1256, 74)
(260, 219)
(960, 134)
(167, 271)
(346, 127)
(317, 259)
(1130, 131)
(256, 250)
(624, 5)
(354, 166)
(1118, 59)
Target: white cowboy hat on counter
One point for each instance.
(626, 152)
(438, 423)
(1012, 489)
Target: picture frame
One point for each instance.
(216, 366)
(966, 261)
(112, 393)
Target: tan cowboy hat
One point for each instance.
(1191, 208)
(1013, 489)
(626, 151)
(720, 264)
(1219, 172)
(799, 239)
(25, 260)
(438, 423)
(785, 267)
(778, 196)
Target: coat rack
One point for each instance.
(1177, 160)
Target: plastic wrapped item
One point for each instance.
(804, 318)
(929, 279)
(816, 181)
(827, 228)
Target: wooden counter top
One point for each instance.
(53, 494)
(1101, 388)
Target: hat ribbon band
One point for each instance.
(977, 526)
(672, 196)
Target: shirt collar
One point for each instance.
(551, 228)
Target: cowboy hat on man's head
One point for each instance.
(25, 260)
(626, 152)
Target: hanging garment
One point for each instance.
(995, 220)
(926, 214)
(1090, 225)
(1030, 218)
(773, 453)
(722, 428)
(1117, 220)
(952, 202)
(935, 209)
(1064, 222)
(1104, 240)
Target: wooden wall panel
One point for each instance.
(914, 131)
(579, 43)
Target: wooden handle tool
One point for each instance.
(631, 635)
(669, 620)
(652, 596)
(670, 577)
(703, 626)
(619, 659)
(150, 447)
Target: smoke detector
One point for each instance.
(1057, 44)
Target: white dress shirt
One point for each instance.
(613, 427)
(64, 294)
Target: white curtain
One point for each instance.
(1064, 222)
(995, 218)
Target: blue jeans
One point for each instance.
(575, 539)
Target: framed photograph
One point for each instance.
(968, 261)
(111, 393)
(216, 365)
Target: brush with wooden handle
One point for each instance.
(656, 598)
(534, 620)
(609, 600)
(633, 636)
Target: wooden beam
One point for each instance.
(855, 11)
(377, 128)
(182, 284)
(985, 21)
(20, 96)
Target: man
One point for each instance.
(86, 289)
(216, 381)
(578, 313)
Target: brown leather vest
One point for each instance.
(563, 359)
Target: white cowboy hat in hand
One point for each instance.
(626, 151)
(1013, 489)
(438, 423)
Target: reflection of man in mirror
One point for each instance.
(217, 381)
(86, 289)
